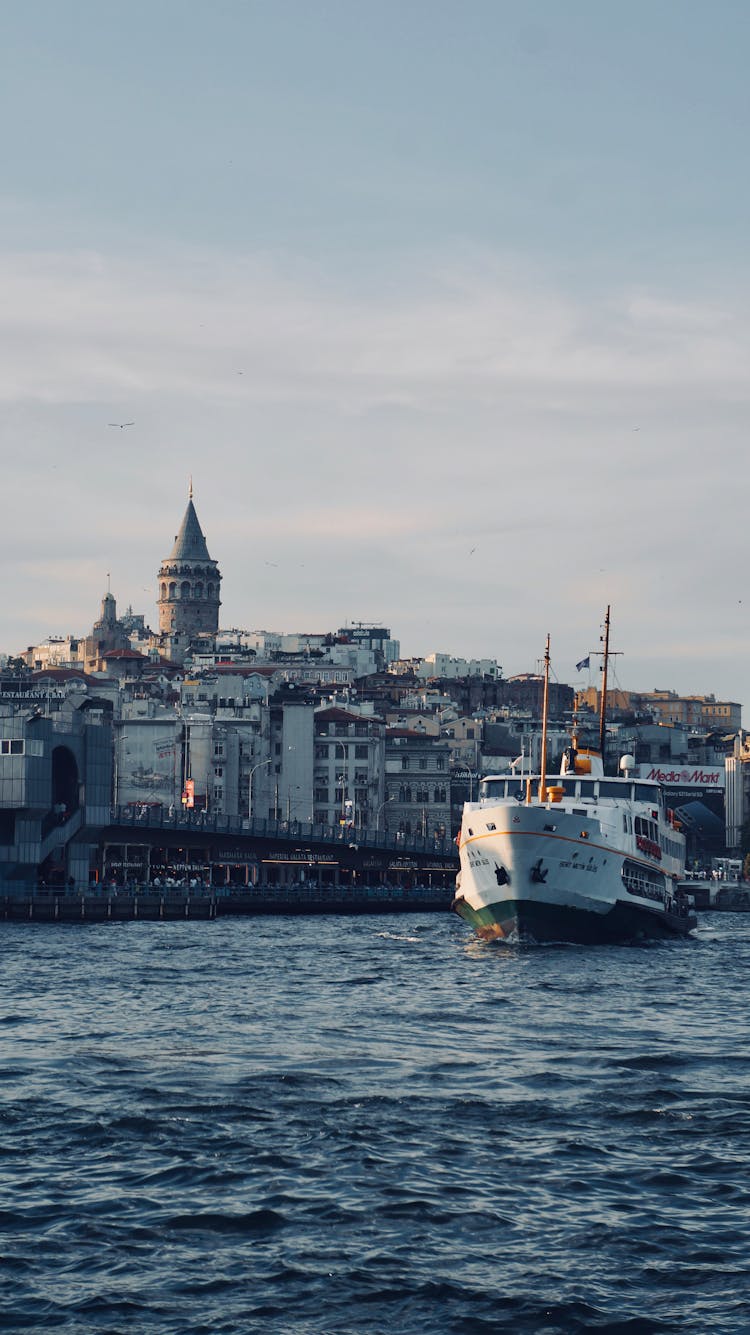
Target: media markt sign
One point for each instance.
(710, 777)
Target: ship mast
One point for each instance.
(603, 706)
(545, 711)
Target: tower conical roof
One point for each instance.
(190, 544)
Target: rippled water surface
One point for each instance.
(372, 1124)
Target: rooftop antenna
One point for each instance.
(190, 488)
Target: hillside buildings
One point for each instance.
(332, 727)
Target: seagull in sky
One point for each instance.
(121, 425)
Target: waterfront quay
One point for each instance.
(147, 863)
(148, 904)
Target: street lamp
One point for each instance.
(343, 778)
(380, 808)
(259, 765)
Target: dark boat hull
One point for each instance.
(534, 921)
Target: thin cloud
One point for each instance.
(77, 328)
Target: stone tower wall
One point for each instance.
(188, 599)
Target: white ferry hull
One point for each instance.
(547, 874)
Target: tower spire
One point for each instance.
(190, 488)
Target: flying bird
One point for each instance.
(121, 425)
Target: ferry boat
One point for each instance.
(581, 857)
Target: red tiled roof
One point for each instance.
(65, 674)
(336, 715)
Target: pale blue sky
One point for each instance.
(393, 282)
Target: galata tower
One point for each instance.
(189, 584)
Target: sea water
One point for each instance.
(372, 1124)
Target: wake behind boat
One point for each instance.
(584, 858)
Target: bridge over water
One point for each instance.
(142, 844)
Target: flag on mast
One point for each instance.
(584, 663)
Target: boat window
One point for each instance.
(568, 786)
(612, 788)
(491, 788)
(646, 792)
(587, 787)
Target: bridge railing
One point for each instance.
(145, 817)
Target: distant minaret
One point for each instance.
(189, 585)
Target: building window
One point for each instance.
(423, 762)
(321, 752)
(321, 795)
(440, 762)
(360, 752)
(404, 762)
(11, 748)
